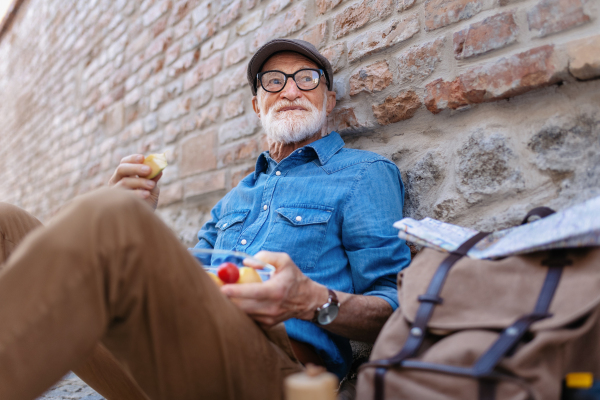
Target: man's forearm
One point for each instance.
(360, 318)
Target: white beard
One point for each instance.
(292, 126)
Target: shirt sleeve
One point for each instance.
(375, 252)
(207, 236)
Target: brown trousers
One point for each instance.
(107, 270)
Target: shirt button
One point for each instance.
(244, 241)
(225, 224)
(299, 151)
(278, 173)
(298, 218)
(265, 207)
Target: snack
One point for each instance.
(216, 279)
(228, 272)
(249, 275)
(157, 162)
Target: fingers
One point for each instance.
(255, 291)
(136, 183)
(133, 159)
(278, 260)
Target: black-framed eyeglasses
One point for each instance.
(306, 79)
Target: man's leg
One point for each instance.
(101, 370)
(108, 269)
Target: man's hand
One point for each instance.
(288, 294)
(131, 173)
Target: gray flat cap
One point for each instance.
(297, 46)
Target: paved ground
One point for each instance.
(71, 388)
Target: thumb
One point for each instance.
(278, 260)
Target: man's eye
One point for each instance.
(275, 81)
(306, 79)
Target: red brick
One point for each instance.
(336, 56)
(418, 62)
(159, 45)
(551, 16)
(249, 23)
(238, 128)
(343, 119)
(235, 54)
(358, 15)
(156, 12)
(230, 82)
(234, 105)
(201, 12)
(238, 175)
(182, 28)
(396, 109)
(377, 40)
(198, 153)
(405, 4)
(207, 116)
(206, 30)
(184, 64)
(497, 80)
(231, 13)
(212, 184)
(584, 57)
(172, 54)
(275, 6)
(372, 78)
(326, 5)
(170, 194)
(482, 37)
(203, 71)
(238, 152)
(317, 35)
(215, 44)
(439, 13)
(285, 24)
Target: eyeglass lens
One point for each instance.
(306, 79)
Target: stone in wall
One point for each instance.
(421, 182)
(487, 166)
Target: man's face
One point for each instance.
(292, 115)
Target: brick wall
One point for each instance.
(489, 107)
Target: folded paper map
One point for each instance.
(578, 226)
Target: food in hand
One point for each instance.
(249, 275)
(216, 279)
(228, 272)
(157, 162)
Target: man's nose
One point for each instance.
(290, 91)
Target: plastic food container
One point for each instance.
(212, 259)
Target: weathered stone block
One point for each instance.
(326, 5)
(205, 185)
(234, 105)
(238, 128)
(201, 12)
(405, 4)
(281, 26)
(372, 78)
(551, 16)
(359, 14)
(183, 64)
(207, 116)
(227, 83)
(235, 153)
(396, 109)
(377, 40)
(275, 6)
(215, 44)
(249, 23)
(584, 58)
(439, 13)
(170, 194)
(336, 56)
(343, 120)
(159, 45)
(156, 12)
(239, 174)
(172, 54)
(204, 70)
(482, 37)
(421, 181)
(486, 166)
(204, 31)
(235, 53)
(198, 153)
(317, 35)
(418, 62)
(231, 13)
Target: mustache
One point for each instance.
(283, 103)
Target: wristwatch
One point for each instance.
(327, 312)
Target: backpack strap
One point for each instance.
(429, 300)
(541, 212)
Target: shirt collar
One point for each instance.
(325, 148)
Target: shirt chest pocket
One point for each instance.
(229, 229)
(300, 231)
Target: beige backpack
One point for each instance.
(479, 329)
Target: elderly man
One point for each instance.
(106, 270)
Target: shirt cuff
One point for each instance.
(385, 293)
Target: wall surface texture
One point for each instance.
(488, 107)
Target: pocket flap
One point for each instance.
(306, 215)
(231, 219)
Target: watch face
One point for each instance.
(328, 314)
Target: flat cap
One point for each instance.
(295, 45)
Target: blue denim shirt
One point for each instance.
(331, 209)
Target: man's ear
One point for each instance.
(256, 106)
(330, 101)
